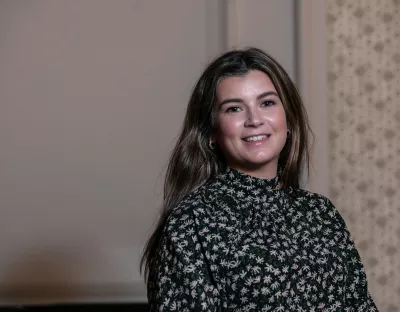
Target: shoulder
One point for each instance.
(199, 212)
(307, 196)
(316, 202)
(187, 212)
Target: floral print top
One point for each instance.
(240, 243)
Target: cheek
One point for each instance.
(228, 129)
(278, 120)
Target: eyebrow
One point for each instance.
(238, 100)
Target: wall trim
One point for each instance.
(73, 293)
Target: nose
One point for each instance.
(254, 118)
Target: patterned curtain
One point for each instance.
(364, 104)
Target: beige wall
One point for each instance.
(92, 94)
(269, 24)
(311, 60)
(364, 88)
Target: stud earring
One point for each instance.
(289, 134)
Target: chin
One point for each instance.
(260, 163)
(260, 160)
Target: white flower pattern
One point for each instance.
(240, 243)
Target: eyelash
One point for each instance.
(270, 102)
(234, 109)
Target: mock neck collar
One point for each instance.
(239, 179)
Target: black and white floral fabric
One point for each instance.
(241, 243)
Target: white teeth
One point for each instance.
(256, 138)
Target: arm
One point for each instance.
(182, 281)
(357, 296)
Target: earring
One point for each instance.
(289, 134)
(211, 145)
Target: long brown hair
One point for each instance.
(193, 162)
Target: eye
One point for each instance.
(268, 103)
(233, 109)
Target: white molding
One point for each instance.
(313, 86)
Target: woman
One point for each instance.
(236, 232)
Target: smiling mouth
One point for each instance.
(256, 138)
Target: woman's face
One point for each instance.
(251, 128)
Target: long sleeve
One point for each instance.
(357, 296)
(182, 280)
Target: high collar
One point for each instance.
(239, 179)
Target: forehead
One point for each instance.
(254, 82)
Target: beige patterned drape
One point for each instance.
(364, 107)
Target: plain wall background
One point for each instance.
(92, 96)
